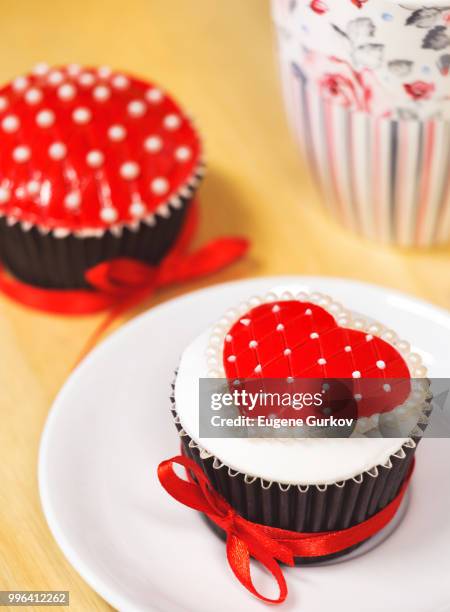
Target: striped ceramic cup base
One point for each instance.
(386, 179)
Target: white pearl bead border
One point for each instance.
(414, 406)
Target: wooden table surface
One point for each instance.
(218, 58)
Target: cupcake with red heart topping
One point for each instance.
(94, 165)
(298, 483)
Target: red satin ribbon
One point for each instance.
(268, 545)
(122, 283)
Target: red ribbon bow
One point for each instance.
(122, 283)
(268, 545)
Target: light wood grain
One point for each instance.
(218, 57)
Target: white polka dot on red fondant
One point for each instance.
(5, 195)
(101, 93)
(33, 96)
(104, 148)
(45, 118)
(10, 123)
(33, 187)
(154, 95)
(153, 144)
(120, 81)
(172, 122)
(81, 115)
(57, 150)
(129, 170)
(136, 108)
(95, 158)
(20, 83)
(21, 154)
(104, 72)
(72, 200)
(183, 153)
(55, 77)
(138, 209)
(67, 92)
(160, 185)
(109, 214)
(86, 79)
(41, 68)
(116, 133)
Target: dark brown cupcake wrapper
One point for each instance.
(49, 261)
(309, 508)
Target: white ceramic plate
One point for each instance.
(110, 427)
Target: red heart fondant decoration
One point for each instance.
(302, 340)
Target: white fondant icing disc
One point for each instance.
(293, 461)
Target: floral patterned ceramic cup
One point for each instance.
(367, 90)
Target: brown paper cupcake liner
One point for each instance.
(50, 261)
(309, 508)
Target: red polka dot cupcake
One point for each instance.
(94, 165)
(305, 484)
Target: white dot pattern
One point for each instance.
(101, 140)
(109, 214)
(33, 188)
(172, 122)
(20, 83)
(138, 209)
(104, 72)
(120, 82)
(95, 159)
(183, 154)
(72, 200)
(67, 92)
(5, 195)
(41, 68)
(136, 108)
(160, 186)
(154, 95)
(45, 118)
(10, 123)
(101, 93)
(129, 170)
(117, 133)
(21, 154)
(153, 144)
(55, 77)
(309, 340)
(57, 150)
(86, 79)
(82, 115)
(33, 96)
